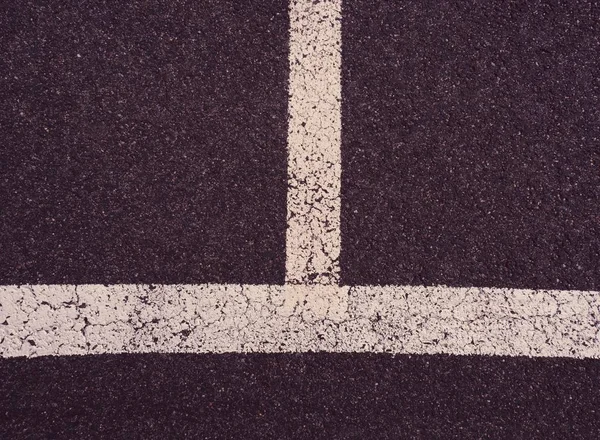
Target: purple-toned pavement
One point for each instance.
(299, 219)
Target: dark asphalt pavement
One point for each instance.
(307, 396)
(145, 142)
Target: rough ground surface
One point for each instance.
(471, 143)
(304, 396)
(143, 142)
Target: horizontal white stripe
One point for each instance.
(66, 320)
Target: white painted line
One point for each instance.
(314, 162)
(91, 319)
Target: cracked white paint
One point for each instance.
(66, 319)
(314, 162)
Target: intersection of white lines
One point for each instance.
(311, 312)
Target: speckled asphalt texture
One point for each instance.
(144, 142)
(194, 146)
(309, 396)
(471, 143)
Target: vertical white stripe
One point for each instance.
(314, 163)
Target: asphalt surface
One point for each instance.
(471, 144)
(146, 142)
(308, 396)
